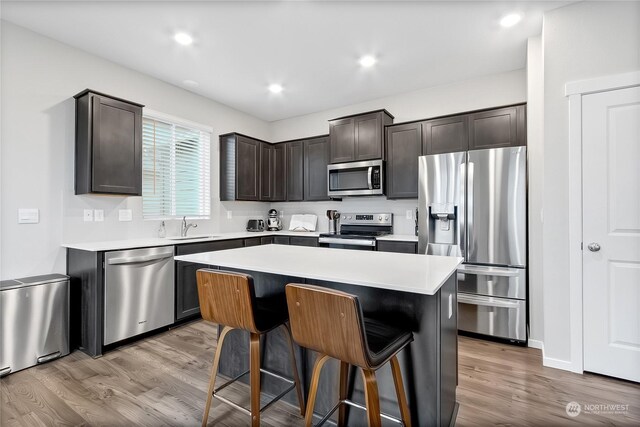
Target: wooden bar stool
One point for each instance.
(331, 323)
(228, 299)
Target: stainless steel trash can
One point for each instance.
(34, 312)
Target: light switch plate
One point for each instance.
(409, 213)
(88, 215)
(281, 214)
(28, 216)
(229, 214)
(98, 215)
(125, 215)
(450, 305)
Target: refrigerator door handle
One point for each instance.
(470, 206)
(461, 214)
(488, 301)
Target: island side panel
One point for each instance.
(448, 350)
(87, 300)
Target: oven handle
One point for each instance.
(369, 180)
(354, 242)
(487, 301)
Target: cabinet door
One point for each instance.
(303, 241)
(342, 140)
(267, 170)
(116, 147)
(187, 303)
(279, 174)
(266, 240)
(368, 136)
(446, 135)
(503, 127)
(400, 247)
(316, 159)
(247, 169)
(403, 149)
(295, 171)
(194, 248)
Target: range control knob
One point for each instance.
(379, 218)
(386, 218)
(344, 217)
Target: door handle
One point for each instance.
(369, 181)
(593, 247)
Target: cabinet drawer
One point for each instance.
(400, 247)
(194, 248)
(281, 240)
(303, 241)
(254, 241)
(266, 240)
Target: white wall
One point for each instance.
(535, 169)
(482, 92)
(583, 40)
(39, 78)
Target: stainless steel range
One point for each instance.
(358, 231)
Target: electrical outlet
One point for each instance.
(281, 214)
(409, 213)
(125, 215)
(88, 215)
(98, 215)
(229, 214)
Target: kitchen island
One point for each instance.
(410, 292)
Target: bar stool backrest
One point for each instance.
(227, 298)
(327, 321)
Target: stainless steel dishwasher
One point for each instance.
(139, 292)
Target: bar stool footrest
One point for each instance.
(267, 405)
(358, 406)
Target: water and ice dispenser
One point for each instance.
(442, 223)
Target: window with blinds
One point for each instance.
(175, 170)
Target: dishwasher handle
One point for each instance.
(137, 259)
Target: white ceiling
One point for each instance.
(311, 48)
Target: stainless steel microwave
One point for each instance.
(356, 178)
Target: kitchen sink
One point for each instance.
(194, 237)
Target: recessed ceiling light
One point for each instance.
(183, 38)
(368, 61)
(190, 83)
(275, 88)
(510, 20)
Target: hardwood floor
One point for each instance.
(163, 381)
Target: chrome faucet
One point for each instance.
(185, 227)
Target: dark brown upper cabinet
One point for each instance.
(240, 167)
(108, 145)
(273, 173)
(502, 127)
(446, 135)
(403, 146)
(316, 159)
(358, 137)
(295, 171)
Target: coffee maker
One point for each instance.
(273, 222)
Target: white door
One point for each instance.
(611, 233)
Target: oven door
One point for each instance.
(356, 179)
(340, 243)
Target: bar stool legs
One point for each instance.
(402, 398)
(344, 383)
(315, 379)
(254, 375)
(371, 397)
(294, 365)
(214, 373)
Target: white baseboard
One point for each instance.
(565, 365)
(536, 344)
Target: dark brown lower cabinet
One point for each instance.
(187, 304)
(394, 246)
(281, 240)
(266, 240)
(254, 241)
(303, 241)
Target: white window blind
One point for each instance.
(176, 176)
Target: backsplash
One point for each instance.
(399, 208)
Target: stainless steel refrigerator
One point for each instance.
(473, 205)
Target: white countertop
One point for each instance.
(112, 245)
(420, 274)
